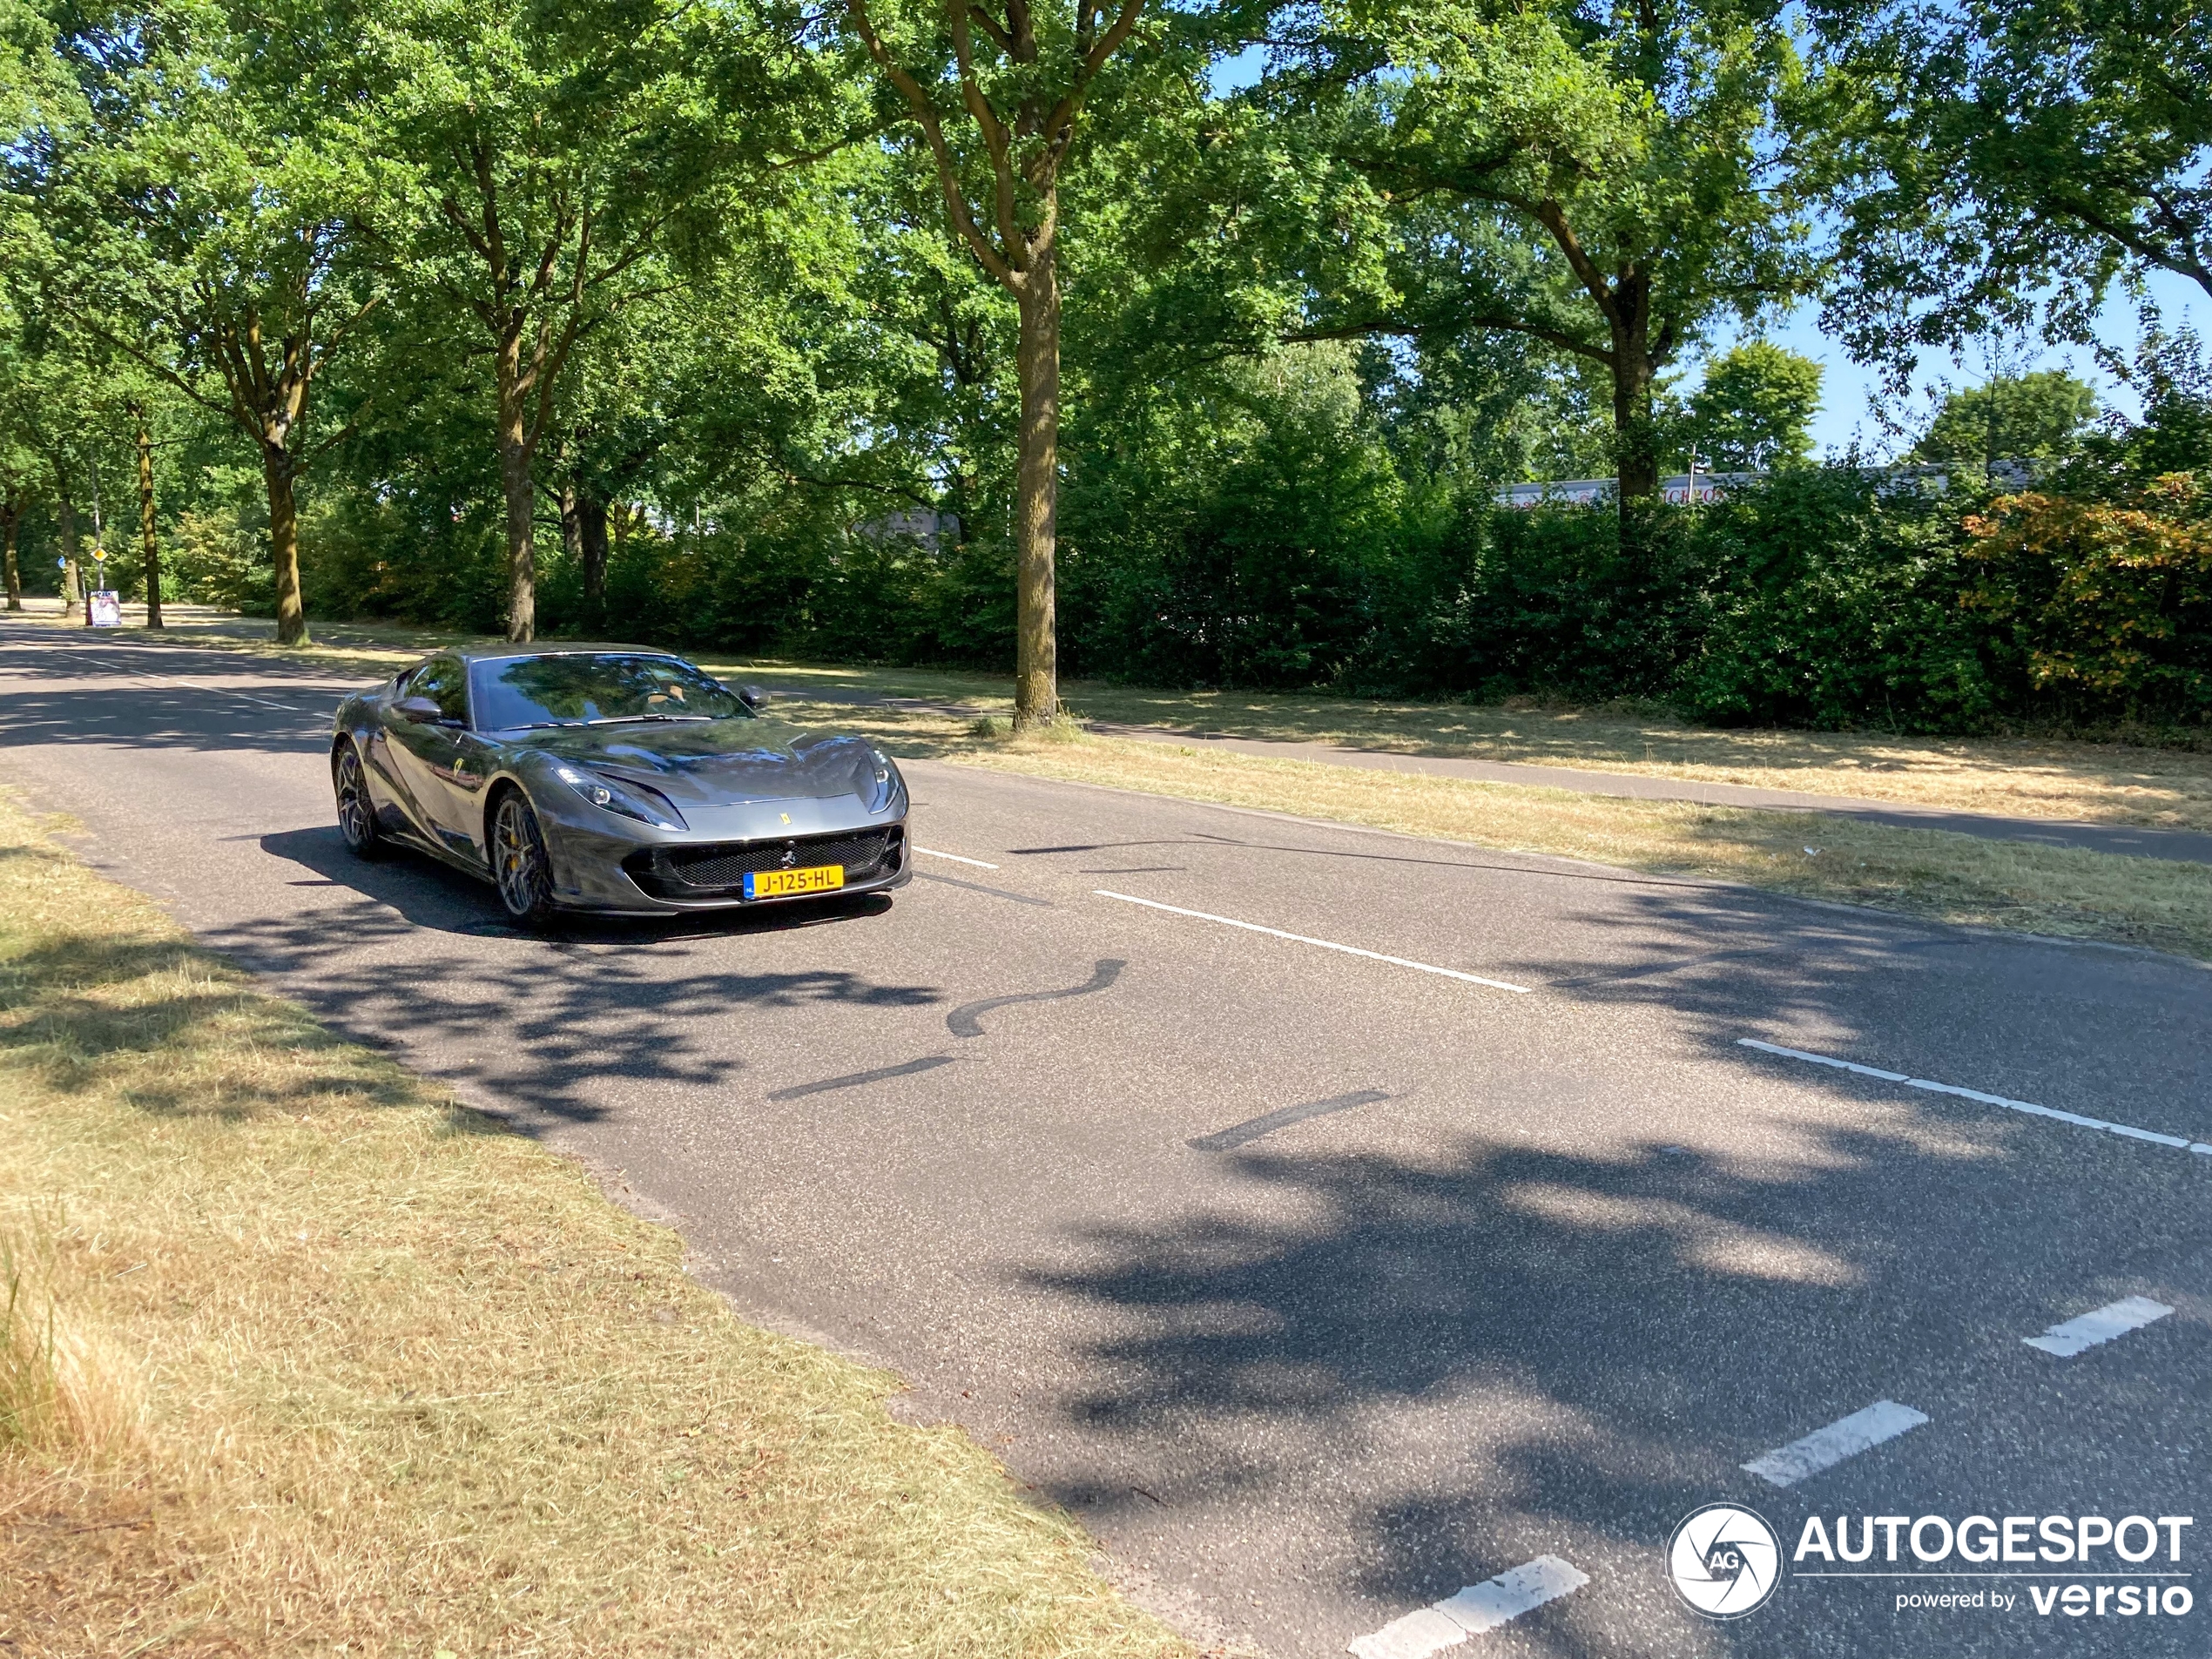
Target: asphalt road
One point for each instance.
(1318, 1284)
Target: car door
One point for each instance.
(429, 756)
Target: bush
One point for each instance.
(2112, 602)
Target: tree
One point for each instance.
(50, 391)
(533, 159)
(998, 98)
(191, 218)
(2014, 417)
(1630, 155)
(22, 469)
(1991, 159)
(1754, 411)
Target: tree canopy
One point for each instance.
(1019, 332)
(2040, 417)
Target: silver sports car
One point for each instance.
(614, 780)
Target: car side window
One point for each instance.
(445, 683)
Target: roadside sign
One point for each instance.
(106, 608)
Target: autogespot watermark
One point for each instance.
(1726, 1562)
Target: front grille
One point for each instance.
(721, 868)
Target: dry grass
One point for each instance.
(62, 1389)
(1951, 877)
(396, 1381)
(2093, 782)
(2108, 782)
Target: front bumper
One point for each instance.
(678, 875)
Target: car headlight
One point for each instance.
(883, 781)
(629, 801)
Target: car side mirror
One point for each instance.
(419, 711)
(752, 697)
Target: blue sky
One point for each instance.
(1850, 393)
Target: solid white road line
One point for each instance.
(1474, 1609)
(2182, 1142)
(2099, 1325)
(1324, 944)
(1824, 1448)
(932, 852)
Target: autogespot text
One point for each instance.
(2122, 1568)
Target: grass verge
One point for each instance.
(1927, 872)
(303, 1357)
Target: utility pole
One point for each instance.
(145, 518)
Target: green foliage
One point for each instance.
(1234, 535)
(1835, 602)
(1754, 411)
(483, 275)
(2040, 417)
(1597, 180)
(1991, 160)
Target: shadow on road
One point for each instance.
(548, 1024)
(1471, 1304)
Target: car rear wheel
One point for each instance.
(356, 812)
(518, 861)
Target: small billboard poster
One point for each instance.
(106, 608)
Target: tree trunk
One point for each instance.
(65, 514)
(521, 493)
(1634, 441)
(591, 536)
(8, 525)
(521, 550)
(1636, 444)
(277, 474)
(1036, 664)
(571, 527)
(145, 526)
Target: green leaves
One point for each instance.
(1609, 184)
(1997, 165)
(2040, 416)
(1754, 411)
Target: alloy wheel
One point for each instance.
(518, 861)
(356, 812)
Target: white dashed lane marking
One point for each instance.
(1320, 944)
(1825, 1447)
(932, 852)
(2099, 1325)
(2181, 1141)
(1474, 1609)
(173, 679)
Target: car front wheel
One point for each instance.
(356, 812)
(518, 862)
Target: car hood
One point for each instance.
(715, 762)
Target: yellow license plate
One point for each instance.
(781, 884)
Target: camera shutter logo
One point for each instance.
(1725, 1560)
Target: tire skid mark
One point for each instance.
(963, 1021)
(927, 1063)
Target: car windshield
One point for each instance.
(576, 689)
